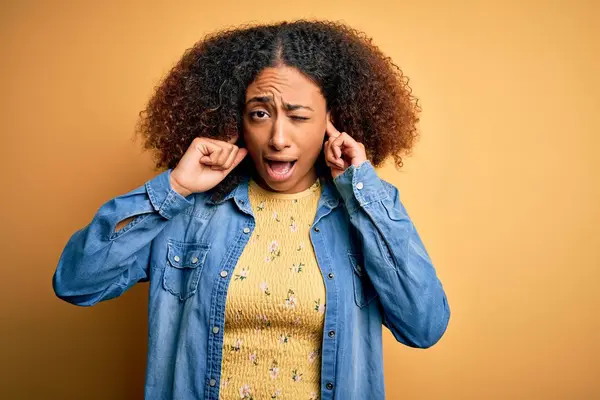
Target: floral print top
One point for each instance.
(275, 308)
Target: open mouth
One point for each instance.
(280, 170)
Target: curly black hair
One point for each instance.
(203, 94)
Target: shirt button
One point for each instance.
(176, 258)
(331, 334)
(212, 382)
(215, 329)
(223, 274)
(246, 230)
(317, 229)
(330, 275)
(359, 185)
(329, 385)
(194, 260)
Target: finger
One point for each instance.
(223, 165)
(338, 145)
(229, 162)
(223, 143)
(213, 154)
(242, 152)
(334, 166)
(346, 144)
(224, 156)
(331, 130)
(330, 157)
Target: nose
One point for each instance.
(280, 137)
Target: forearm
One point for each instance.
(413, 300)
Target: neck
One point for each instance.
(301, 185)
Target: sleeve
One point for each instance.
(98, 263)
(414, 303)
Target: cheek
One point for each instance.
(252, 140)
(316, 138)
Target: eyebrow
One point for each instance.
(269, 99)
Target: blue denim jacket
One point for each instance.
(374, 265)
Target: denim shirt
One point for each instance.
(374, 265)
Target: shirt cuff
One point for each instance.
(360, 185)
(164, 199)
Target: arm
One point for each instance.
(414, 304)
(101, 261)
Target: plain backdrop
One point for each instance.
(503, 185)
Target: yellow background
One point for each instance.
(503, 185)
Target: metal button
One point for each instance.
(331, 334)
(223, 273)
(212, 382)
(215, 329)
(329, 385)
(246, 230)
(317, 229)
(194, 260)
(359, 185)
(176, 258)
(330, 275)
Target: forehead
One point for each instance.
(286, 82)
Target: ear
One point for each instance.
(327, 118)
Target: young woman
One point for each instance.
(273, 250)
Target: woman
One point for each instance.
(270, 274)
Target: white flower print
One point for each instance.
(246, 392)
(276, 216)
(284, 338)
(293, 225)
(300, 246)
(276, 394)
(274, 250)
(290, 301)
(319, 307)
(296, 376)
(264, 322)
(253, 358)
(261, 206)
(274, 370)
(297, 267)
(243, 274)
(237, 345)
(264, 287)
(225, 382)
(273, 246)
(313, 356)
(313, 396)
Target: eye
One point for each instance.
(299, 118)
(258, 115)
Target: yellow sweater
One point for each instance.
(275, 307)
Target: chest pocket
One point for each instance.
(185, 262)
(364, 292)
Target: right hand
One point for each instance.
(205, 164)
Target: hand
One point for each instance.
(205, 164)
(341, 151)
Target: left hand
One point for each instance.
(341, 151)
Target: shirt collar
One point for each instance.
(329, 195)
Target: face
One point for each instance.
(285, 119)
